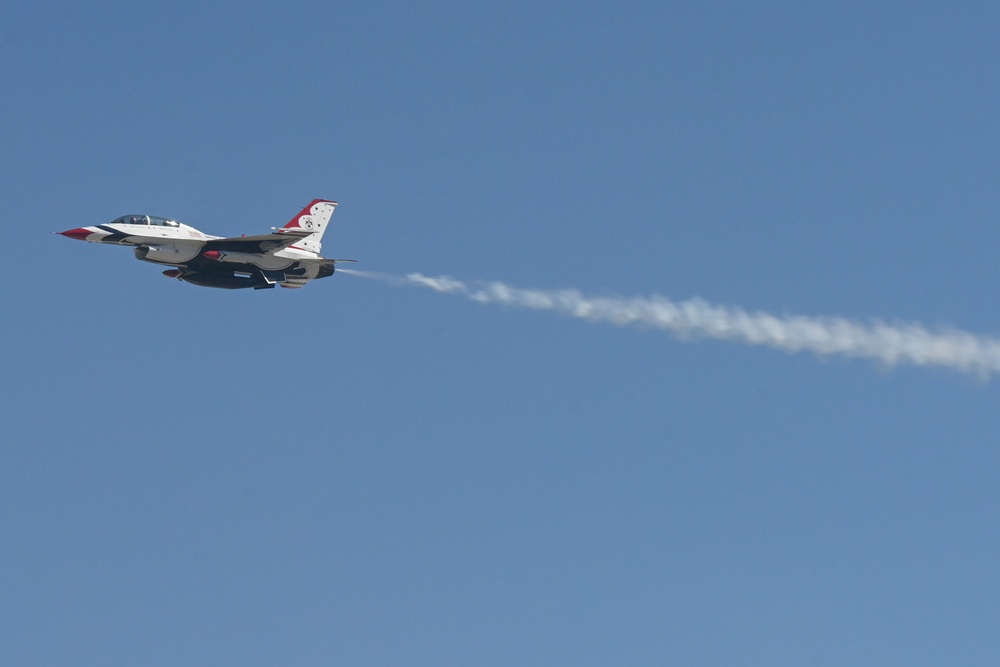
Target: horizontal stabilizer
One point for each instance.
(286, 231)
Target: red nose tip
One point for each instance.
(79, 233)
(212, 254)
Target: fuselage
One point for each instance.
(168, 241)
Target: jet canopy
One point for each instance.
(144, 220)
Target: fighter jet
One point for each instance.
(288, 257)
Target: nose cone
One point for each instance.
(80, 233)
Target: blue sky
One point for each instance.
(363, 474)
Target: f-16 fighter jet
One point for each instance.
(288, 257)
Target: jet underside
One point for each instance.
(240, 275)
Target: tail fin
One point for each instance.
(313, 218)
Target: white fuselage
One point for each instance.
(177, 244)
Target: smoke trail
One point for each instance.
(890, 344)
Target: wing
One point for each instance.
(262, 243)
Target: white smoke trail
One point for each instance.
(890, 344)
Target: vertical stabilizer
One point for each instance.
(313, 218)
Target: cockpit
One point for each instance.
(144, 220)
